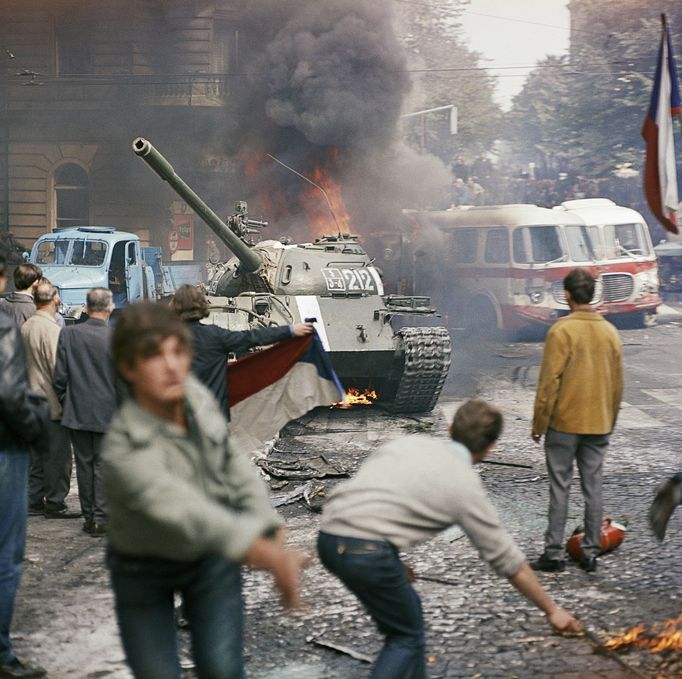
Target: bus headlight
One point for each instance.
(536, 296)
(647, 282)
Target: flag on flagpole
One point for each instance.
(660, 176)
(269, 388)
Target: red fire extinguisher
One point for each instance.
(612, 534)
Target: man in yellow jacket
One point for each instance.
(576, 405)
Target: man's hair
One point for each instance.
(190, 303)
(141, 328)
(580, 283)
(25, 275)
(3, 264)
(476, 425)
(44, 293)
(98, 299)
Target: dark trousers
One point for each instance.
(373, 571)
(87, 449)
(212, 600)
(13, 504)
(561, 450)
(50, 475)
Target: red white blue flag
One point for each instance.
(660, 176)
(269, 388)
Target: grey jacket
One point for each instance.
(181, 496)
(18, 305)
(84, 376)
(412, 488)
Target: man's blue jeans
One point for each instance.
(211, 593)
(13, 509)
(373, 571)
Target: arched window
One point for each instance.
(71, 196)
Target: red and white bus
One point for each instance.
(503, 266)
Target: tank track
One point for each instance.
(427, 360)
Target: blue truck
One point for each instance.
(79, 258)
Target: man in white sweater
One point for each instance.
(405, 493)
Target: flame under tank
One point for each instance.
(392, 344)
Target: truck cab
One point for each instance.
(84, 257)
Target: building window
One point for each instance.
(73, 49)
(71, 196)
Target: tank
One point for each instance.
(393, 345)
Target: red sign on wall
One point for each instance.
(183, 228)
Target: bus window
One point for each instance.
(51, 252)
(579, 244)
(625, 240)
(497, 246)
(464, 246)
(537, 244)
(88, 252)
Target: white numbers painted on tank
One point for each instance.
(348, 280)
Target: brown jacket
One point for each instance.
(40, 334)
(581, 377)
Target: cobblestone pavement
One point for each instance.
(477, 625)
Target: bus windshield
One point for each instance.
(579, 243)
(55, 252)
(52, 252)
(538, 245)
(625, 240)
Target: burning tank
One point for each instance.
(393, 345)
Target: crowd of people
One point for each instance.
(143, 407)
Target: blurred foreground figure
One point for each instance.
(405, 493)
(19, 304)
(23, 419)
(668, 497)
(185, 509)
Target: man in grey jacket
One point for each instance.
(186, 510)
(50, 475)
(406, 492)
(84, 384)
(19, 304)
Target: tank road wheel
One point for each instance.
(425, 367)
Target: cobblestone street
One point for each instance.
(478, 626)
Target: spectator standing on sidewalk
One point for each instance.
(405, 493)
(186, 510)
(19, 304)
(22, 422)
(50, 474)
(212, 344)
(84, 383)
(576, 406)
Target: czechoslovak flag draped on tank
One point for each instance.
(269, 388)
(660, 176)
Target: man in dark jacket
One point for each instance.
(84, 384)
(212, 344)
(19, 305)
(23, 419)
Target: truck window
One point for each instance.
(88, 253)
(537, 244)
(464, 246)
(497, 246)
(579, 243)
(52, 252)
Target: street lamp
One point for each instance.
(422, 135)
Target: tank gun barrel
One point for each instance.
(250, 260)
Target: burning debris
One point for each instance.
(356, 397)
(657, 638)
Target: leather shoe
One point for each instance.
(547, 565)
(97, 530)
(36, 510)
(65, 513)
(589, 564)
(18, 669)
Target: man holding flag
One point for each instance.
(660, 176)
